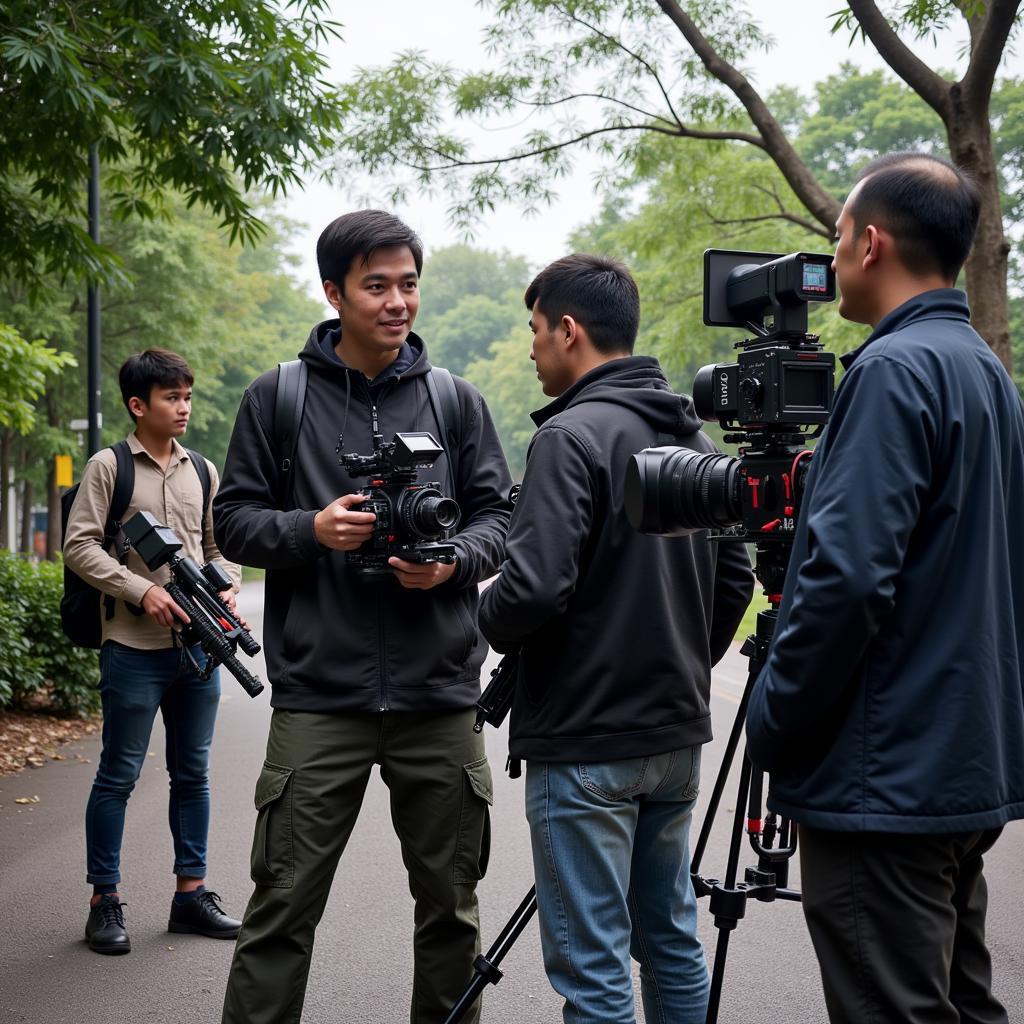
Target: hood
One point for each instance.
(636, 383)
(314, 356)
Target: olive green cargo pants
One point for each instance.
(308, 797)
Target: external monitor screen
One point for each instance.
(815, 278)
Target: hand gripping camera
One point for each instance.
(775, 396)
(196, 590)
(414, 519)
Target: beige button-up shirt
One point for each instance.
(175, 497)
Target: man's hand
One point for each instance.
(340, 528)
(161, 607)
(228, 597)
(421, 575)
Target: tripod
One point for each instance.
(766, 882)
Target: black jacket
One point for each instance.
(333, 641)
(618, 630)
(892, 697)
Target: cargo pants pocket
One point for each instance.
(473, 849)
(273, 859)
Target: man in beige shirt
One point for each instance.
(142, 668)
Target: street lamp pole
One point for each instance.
(93, 355)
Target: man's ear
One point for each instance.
(876, 242)
(333, 294)
(136, 406)
(570, 331)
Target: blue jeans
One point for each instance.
(133, 684)
(612, 865)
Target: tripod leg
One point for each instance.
(728, 903)
(486, 967)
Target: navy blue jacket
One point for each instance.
(618, 630)
(892, 698)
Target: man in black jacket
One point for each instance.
(890, 712)
(363, 672)
(618, 632)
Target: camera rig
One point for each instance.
(414, 519)
(775, 397)
(196, 591)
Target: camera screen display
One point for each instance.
(815, 278)
(804, 387)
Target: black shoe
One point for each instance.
(203, 916)
(105, 929)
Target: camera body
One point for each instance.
(772, 399)
(414, 519)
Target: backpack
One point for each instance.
(80, 604)
(290, 402)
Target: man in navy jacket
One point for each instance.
(890, 713)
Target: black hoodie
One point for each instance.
(618, 630)
(333, 641)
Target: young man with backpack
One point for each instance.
(364, 671)
(142, 667)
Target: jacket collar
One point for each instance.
(945, 303)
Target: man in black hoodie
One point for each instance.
(618, 632)
(363, 673)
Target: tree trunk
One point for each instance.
(52, 491)
(970, 145)
(27, 533)
(5, 490)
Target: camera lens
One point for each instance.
(427, 513)
(674, 491)
(704, 393)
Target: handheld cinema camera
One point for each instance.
(414, 519)
(771, 400)
(196, 591)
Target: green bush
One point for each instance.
(34, 652)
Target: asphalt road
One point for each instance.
(361, 965)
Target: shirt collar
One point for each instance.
(135, 446)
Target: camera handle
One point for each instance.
(767, 882)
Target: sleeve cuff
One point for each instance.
(136, 588)
(304, 534)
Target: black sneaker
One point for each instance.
(105, 931)
(203, 916)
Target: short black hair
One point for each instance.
(598, 293)
(361, 234)
(928, 204)
(154, 368)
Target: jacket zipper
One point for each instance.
(381, 635)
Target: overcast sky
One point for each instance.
(450, 30)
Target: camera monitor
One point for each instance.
(740, 287)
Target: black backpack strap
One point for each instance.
(444, 401)
(203, 472)
(288, 408)
(124, 488)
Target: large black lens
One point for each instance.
(674, 491)
(427, 513)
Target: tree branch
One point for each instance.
(932, 88)
(821, 205)
(987, 51)
(682, 132)
(636, 56)
(597, 96)
(785, 215)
